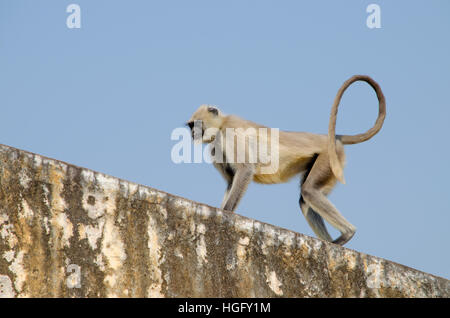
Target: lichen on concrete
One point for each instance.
(67, 231)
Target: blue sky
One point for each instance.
(108, 95)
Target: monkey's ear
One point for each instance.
(213, 110)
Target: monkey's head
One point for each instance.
(205, 122)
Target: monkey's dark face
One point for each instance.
(197, 130)
(204, 123)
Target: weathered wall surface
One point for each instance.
(66, 231)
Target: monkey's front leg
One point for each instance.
(225, 196)
(237, 188)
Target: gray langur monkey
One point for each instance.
(319, 157)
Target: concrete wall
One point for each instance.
(67, 231)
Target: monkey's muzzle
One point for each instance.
(196, 128)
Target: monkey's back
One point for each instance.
(296, 150)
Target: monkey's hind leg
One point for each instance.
(315, 221)
(318, 183)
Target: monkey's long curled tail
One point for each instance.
(349, 139)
